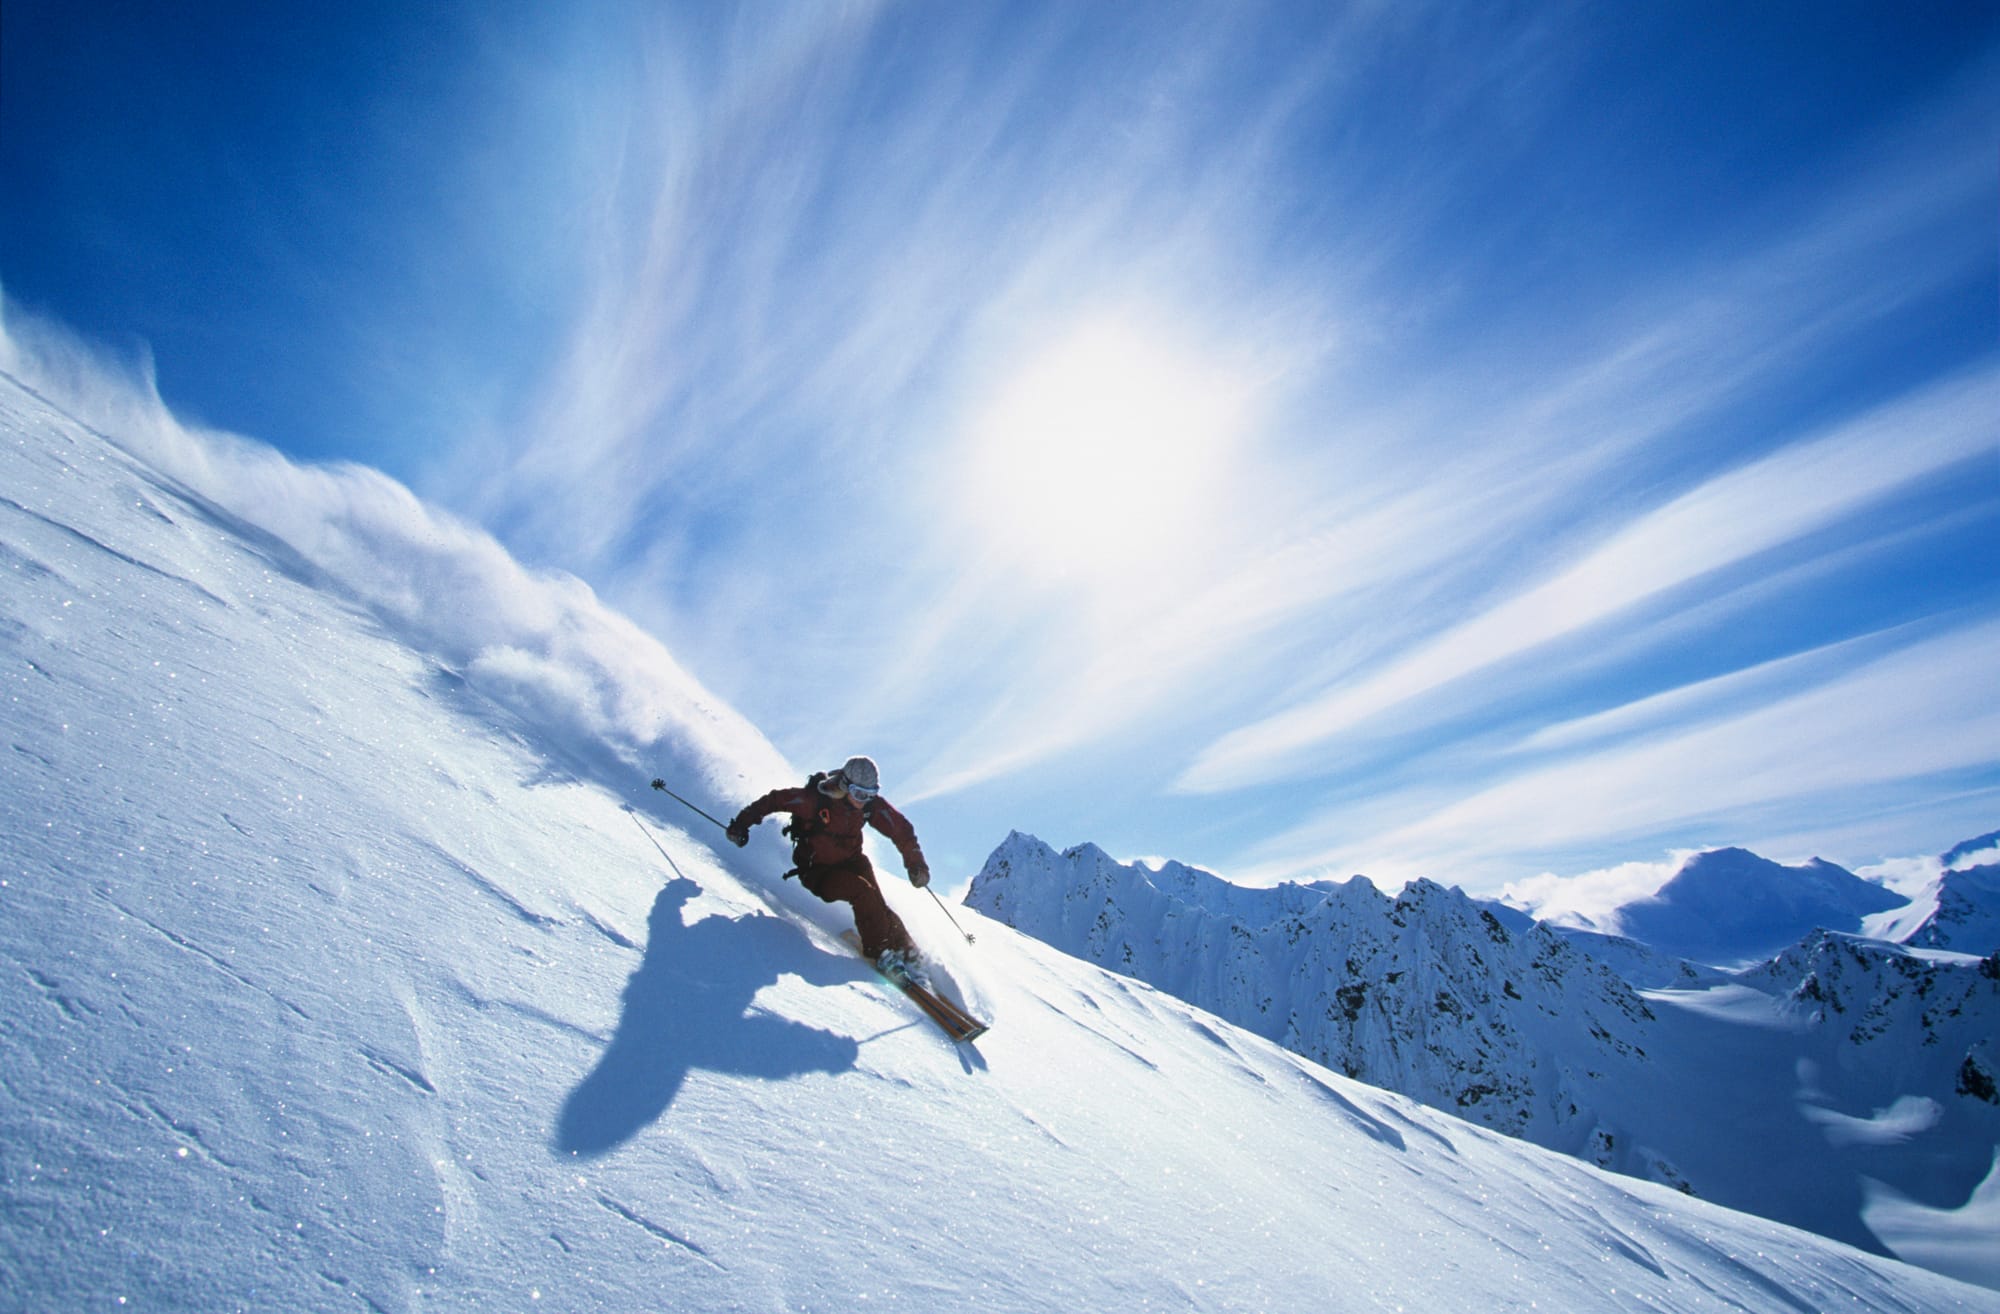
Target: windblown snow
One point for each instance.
(342, 972)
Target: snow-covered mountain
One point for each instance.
(1961, 911)
(339, 970)
(1732, 1090)
(1426, 993)
(1894, 1020)
(1730, 907)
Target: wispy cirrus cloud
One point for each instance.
(809, 258)
(1800, 488)
(1538, 331)
(815, 247)
(1365, 534)
(1915, 714)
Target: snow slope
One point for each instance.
(332, 978)
(1641, 965)
(1848, 1092)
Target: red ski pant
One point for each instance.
(852, 881)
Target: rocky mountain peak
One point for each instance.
(1425, 991)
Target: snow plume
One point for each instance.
(1591, 901)
(1981, 852)
(1909, 877)
(607, 698)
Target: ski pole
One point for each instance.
(661, 785)
(947, 915)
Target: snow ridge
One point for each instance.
(1426, 993)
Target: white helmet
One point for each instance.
(863, 781)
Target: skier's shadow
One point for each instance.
(688, 1006)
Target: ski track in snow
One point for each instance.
(309, 972)
(665, 1234)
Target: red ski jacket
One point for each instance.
(833, 825)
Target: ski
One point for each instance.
(954, 1021)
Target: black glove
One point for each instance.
(920, 877)
(739, 834)
(659, 784)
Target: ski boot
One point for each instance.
(902, 965)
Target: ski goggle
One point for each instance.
(861, 793)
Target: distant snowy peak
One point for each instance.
(1965, 916)
(1838, 1063)
(1730, 906)
(1983, 851)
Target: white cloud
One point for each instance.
(1591, 899)
(1908, 877)
(1985, 857)
(792, 309)
(1757, 507)
(814, 243)
(1691, 703)
(1915, 713)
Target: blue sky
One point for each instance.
(1295, 439)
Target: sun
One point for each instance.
(1103, 451)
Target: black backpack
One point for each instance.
(801, 830)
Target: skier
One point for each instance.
(827, 816)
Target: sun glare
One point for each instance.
(1102, 452)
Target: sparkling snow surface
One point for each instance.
(334, 979)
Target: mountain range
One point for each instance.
(1844, 1085)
